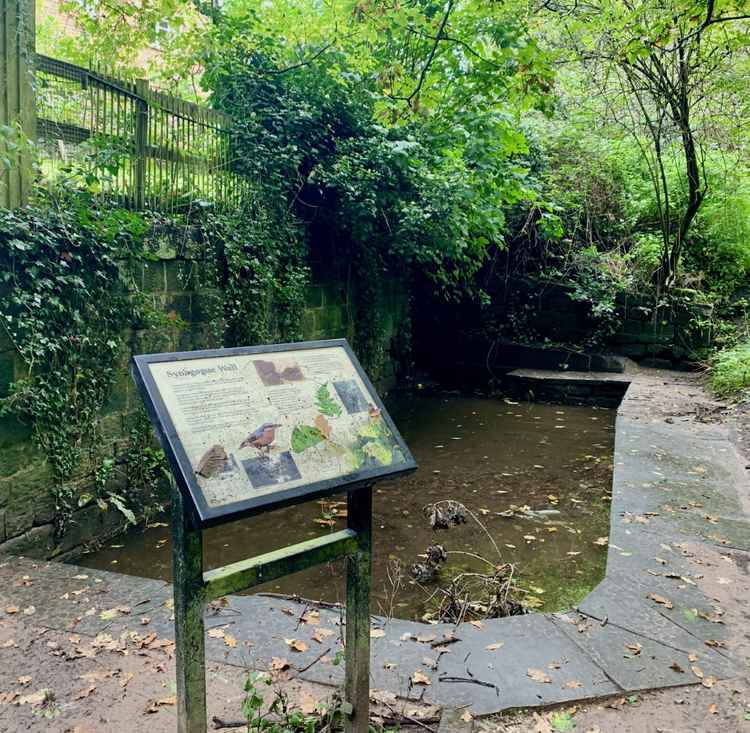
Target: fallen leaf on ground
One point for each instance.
(10, 610)
(572, 685)
(676, 667)
(230, 641)
(635, 648)
(697, 671)
(708, 681)
(84, 693)
(24, 680)
(321, 633)
(467, 717)
(279, 664)
(494, 647)
(601, 541)
(377, 633)
(661, 600)
(296, 645)
(538, 675)
(308, 703)
(216, 633)
(712, 709)
(477, 624)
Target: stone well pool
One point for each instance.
(488, 454)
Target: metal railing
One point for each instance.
(149, 150)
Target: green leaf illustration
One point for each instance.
(325, 402)
(304, 437)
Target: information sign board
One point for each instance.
(254, 428)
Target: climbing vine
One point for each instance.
(64, 306)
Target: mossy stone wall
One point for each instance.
(181, 289)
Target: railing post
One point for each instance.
(187, 580)
(17, 105)
(358, 580)
(141, 142)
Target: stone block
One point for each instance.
(154, 279)
(634, 350)
(37, 542)
(181, 275)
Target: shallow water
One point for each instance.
(488, 454)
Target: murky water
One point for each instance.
(488, 454)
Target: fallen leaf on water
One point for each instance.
(420, 678)
(494, 647)
(10, 610)
(661, 600)
(296, 645)
(538, 675)
(311, 617)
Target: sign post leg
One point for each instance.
(358, 573)
(187, 572)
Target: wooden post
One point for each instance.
(141, 141)
(17, 104)
(358, 578)
(187, 572)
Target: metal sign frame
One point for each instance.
(194, 587)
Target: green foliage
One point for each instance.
(64, 306)
(729, 371)
(278, 716)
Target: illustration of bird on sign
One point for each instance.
(262, 437)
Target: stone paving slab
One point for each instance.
(667, 479)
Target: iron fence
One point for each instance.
(148, 149)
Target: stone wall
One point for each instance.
(178, 287)
(538, 325)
